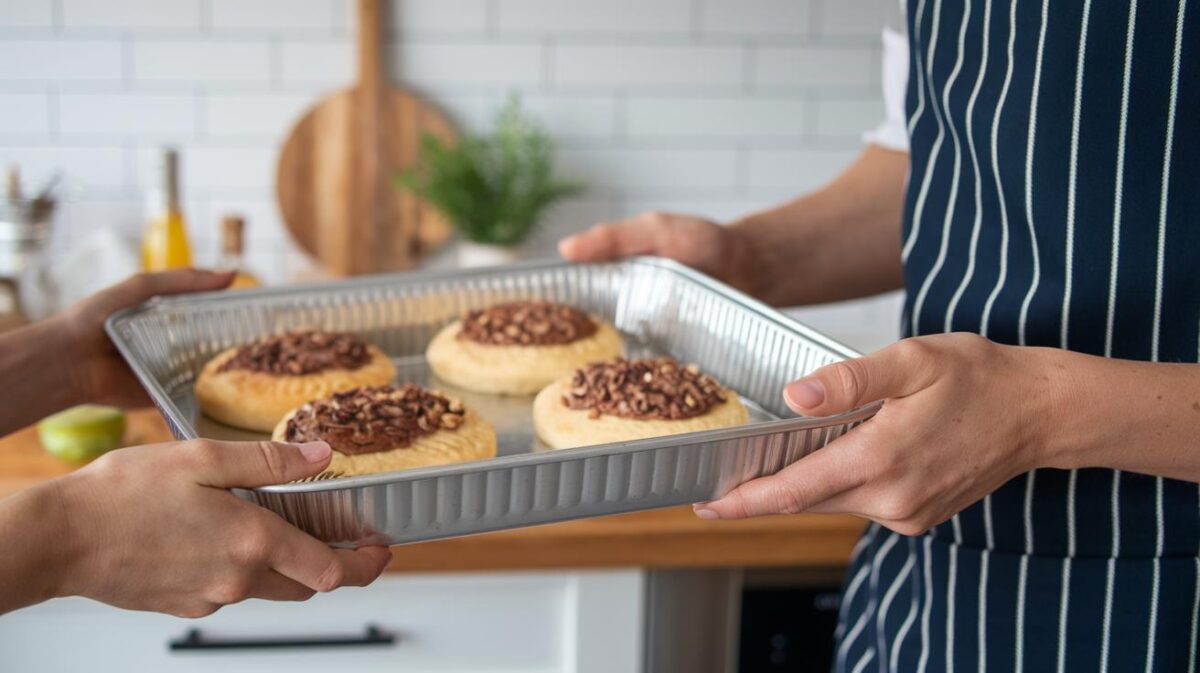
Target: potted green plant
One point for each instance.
(493, 188)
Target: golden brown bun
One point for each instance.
(515, 370)
(475, 439)
(256, 401)
(561, 427)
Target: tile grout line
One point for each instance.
(620, 117)
(548, 54)
(205, 17)
(199, 101)
(741, 170)
(57, 16)
(815, 18)
(491, 19)
(749, 66)
(53, 114)
(696, 19)
(128, 67)
(275, 62)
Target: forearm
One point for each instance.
(840, 242)
(1125, 415)
(37, 546)
(33, 360)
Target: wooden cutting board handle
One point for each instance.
(367, 203)
(337, 169)
(370, 44)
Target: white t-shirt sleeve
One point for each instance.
(892, 132)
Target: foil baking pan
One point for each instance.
(660, 307)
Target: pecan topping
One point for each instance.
(366, 420)
(526, 323)
(644, 389)
(299, 353)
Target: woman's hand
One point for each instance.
(699, 243)
(68, 359)
(96, 369)
(155, 528)
(961, 416)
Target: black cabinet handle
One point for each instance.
(372, 636)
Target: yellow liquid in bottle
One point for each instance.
(165, 244)
(243, 281)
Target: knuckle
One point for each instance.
(255, 545)
(141, 282)
(332, 577)
(971, 344)
(109, 463)
(114, 469)
(195, 610)
(231, 590)
(887, 462)
(851, 377)
(783, 499)
(203, 452)
(273, 460)
(142, 286)
(896, 507)
(607, 233)
(914, 350)
(909, 527)
(970, 339)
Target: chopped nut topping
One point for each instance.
(366, 420)
(527, 323)
(300, 353)
(643, 389)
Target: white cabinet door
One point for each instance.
(553, 622)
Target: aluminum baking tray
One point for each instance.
(660, 307)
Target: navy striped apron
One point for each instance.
(1053, 200)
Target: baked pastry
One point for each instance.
(519, 347)
(621, 400)
(385, 428)
(254, 385)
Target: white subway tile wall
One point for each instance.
(756, 18)
(53, 61)
(712, 107)
(278, 16)
(204, 62)
(26, 14)
(434, 16)
(134, 117)
(124, 15)
(24, 116)
(648, 69)
(539, 17)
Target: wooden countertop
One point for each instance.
(662, 538)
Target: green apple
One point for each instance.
(82, 433)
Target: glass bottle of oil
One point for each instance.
(165, 243)
(233, 231)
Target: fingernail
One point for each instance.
(805, 393)
(314, 452)
(705, 513)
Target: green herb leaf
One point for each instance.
(496, 187)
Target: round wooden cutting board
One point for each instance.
(336, 175)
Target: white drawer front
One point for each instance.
(528, 622)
